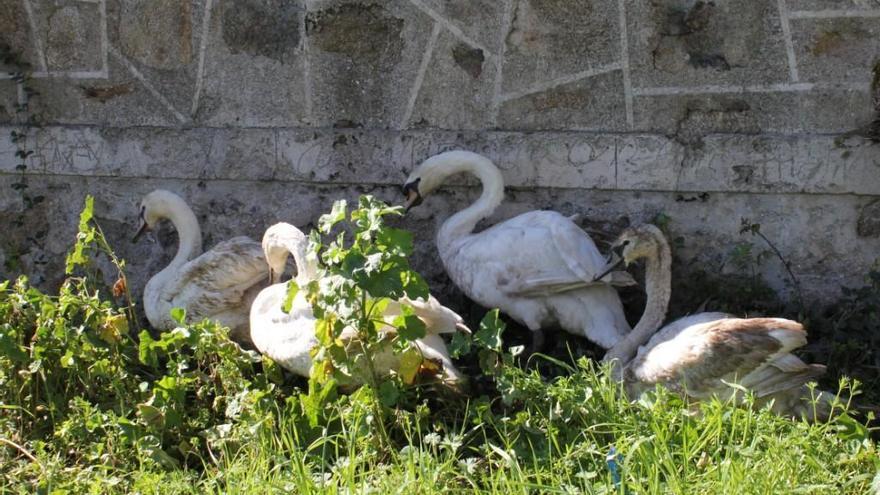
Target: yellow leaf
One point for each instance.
(410, 362)
(113, 328)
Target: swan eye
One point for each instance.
(411, 186)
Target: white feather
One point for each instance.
(537, 267)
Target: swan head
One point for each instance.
(431, 173)
(154, 207)
(634, 243)
(278, 241)
(437, 317)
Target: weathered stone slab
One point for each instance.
(563, 160)
(140, 24)
(457, 89)
(479, 20)
(689, 117)
(592, 103)
(15, 31)
(684, 43)
(71, 34)
(363, 59)
(837, 50)
(254, 65)
(771, 165)
(551, 39)
(161, 153)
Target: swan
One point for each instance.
(537, 267)
(218, 284)
(700, 355)
(289, 337)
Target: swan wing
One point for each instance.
(570, 260)
(704, 356)
(217, 279)
(235, 263)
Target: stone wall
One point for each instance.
(621, 110)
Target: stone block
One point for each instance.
(592, 103)
(552, 39)
(363, 59)
(254, 65)
(647, 163)
(685, 43)
(198, 154)
(479, 20)
(837, 50)
(156, 33)
(15, 31)
(869, 220)
(71, 35)
(457, 89)
(158, 40)
(689, 117)
(817, 165)
(120, 100)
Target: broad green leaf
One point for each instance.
(396, 241)
(9, 346)
(408, 325)
(85, 236)
(388, 393)
(460, 345)
(489, 334)
(146, 350)
(850, 429)
(178, 315)
(292, 290)
(336, 215)
(87, 213)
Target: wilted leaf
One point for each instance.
(113, 328)
(119, 287)
(151, 416)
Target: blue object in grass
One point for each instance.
(612, 460)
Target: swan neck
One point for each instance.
(189, 234)
(306, 266)
(658, 286)
(463, 222)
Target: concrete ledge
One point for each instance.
(816, 164)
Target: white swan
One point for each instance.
(218, 284)
(537, 267)
(288, 338)
(700, 355)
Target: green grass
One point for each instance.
(552, 438)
